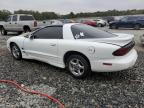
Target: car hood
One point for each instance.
(119, 40)
(26, 34)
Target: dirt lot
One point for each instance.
(123, 89)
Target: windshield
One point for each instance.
(82, 31)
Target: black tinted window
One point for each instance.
(26, 18)
(82, 31)
(14, 18)
(49, 33)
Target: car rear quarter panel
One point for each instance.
(92, 50)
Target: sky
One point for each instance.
(66, 6)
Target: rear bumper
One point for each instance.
(118, 63)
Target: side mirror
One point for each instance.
(32, 37)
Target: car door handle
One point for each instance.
(52, 44)
(15, 23)
(9, 23)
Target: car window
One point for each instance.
(132, 18)
(8, 18)
(124, 19)
(26, 18)
(14, 18)
(96, 20)
(82, 31)
(49, 33)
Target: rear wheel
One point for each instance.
(137, 27)
(99, 25)
(113, 27)
(27, 29)
(15, 50)
(3, 31)
(78, 66)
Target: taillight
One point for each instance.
(124, 50)
(35, 24)
(121, 52)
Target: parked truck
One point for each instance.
(18, 23)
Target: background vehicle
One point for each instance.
(49, 22)
(109, 18)
(78, 47)
(87, 22)
(65, 21)
(135, 22)
(18, 23)
(100, 22)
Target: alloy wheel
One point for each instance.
(76, 67)
(15, 51)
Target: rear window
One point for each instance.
(83, 31)
(26, 18)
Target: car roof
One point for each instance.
(61, 25)
(21, 14)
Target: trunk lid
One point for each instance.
(119, 40)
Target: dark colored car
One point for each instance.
(135, 22)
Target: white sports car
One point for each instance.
(79, 48)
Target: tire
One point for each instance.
(16, 52)
(99, 25)
(137, 27)
(78, 66)
(113, 27)
(3, 31)
(27, 29)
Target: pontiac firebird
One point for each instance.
(80, 48)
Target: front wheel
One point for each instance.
(3, 31)
(16, 52)
(78, 66)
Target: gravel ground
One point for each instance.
(123, 89)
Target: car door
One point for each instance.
(123, 22)
(14, 24)
(43, 44)
(8, 23)
(131, 21)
